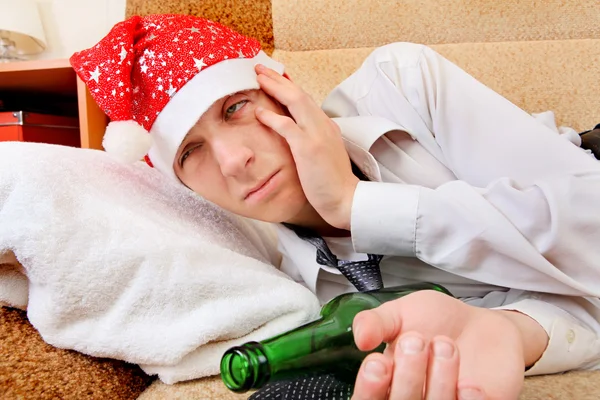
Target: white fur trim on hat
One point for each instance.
(194, 98)
(127, 141)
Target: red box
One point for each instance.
(32, 127)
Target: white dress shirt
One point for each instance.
(468, 191)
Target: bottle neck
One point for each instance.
(324, 344)
(319, 345)
(245, 367)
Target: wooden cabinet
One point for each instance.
(23, 126)
(56, 79)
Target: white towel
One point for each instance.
(120, 262)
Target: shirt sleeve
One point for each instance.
(572, 329)
(523, 213)
(525, 202)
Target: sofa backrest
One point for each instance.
(541, 55)
(333, 24)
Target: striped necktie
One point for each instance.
(364, 275)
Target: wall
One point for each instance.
(72, 25)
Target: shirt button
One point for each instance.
(571, 336)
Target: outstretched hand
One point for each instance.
(438, 349)
(317, 146)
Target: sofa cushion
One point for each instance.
(524, 72)
(312, 25)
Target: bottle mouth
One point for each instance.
(244, 367)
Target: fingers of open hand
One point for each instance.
(415, 370)
(410, 367)
(422, 369)
(381, 324)
(374, 377)
(442, 371)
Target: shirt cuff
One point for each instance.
(384, 218)
(570, 344)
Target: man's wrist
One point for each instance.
(533, 336)
(343, 215)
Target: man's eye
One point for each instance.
(187, 153)
(235, 107)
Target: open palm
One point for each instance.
(464, 351)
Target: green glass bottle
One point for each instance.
(326, 344)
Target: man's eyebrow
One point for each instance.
(187, 135)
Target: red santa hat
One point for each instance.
(155, 76)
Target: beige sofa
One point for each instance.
(542, 55)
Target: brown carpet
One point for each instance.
(31, 369)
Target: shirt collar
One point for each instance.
(359, 135)
(302, 254)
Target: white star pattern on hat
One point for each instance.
(199, 63)
(95, 75)
(171, 91)
(123, 54)
(141, 66)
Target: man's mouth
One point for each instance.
(261, 188)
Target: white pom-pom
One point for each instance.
(127, 141)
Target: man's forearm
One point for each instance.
(533, 335)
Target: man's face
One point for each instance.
(236, 162)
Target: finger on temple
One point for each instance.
(298, 102)
(269, 85)
(374, 378)
(285, 95)
(282, 124)
(271, 73)
(381, 324)
(284, 84)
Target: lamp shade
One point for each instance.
(20, 20)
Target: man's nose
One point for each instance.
(233, 156)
